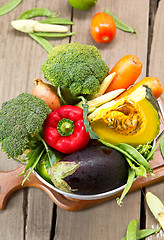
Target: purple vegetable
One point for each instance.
(93, 170)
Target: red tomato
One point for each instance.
(103, 27)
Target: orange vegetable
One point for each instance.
(151, 82)
(127, 69)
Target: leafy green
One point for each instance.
(49, 159)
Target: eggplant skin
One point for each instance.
(99, 169)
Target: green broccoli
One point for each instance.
(76, 67)
(21, 119)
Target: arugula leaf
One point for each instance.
(88, 128)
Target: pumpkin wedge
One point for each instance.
(133, 119)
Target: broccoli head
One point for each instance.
(77, 67)
(21, 118)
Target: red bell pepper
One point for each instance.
(64, 129)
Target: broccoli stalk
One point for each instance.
(21, 124)
(78, 69)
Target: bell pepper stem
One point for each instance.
(65, 127)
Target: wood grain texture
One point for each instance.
(11, 221)
(156, 68)
(104, 221)
(29, 213)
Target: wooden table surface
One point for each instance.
(30, 214)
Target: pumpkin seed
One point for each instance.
(124, 126)
(128, 122)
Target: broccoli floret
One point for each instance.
(21, 118)
(76, 67)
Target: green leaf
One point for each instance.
(31, 157)
(88, 128)
(37, 159)
(49, 159)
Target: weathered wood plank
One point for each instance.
(12, 219)
(156, 68)
(108, 221)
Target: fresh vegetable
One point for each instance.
(56, 20)
(144, 149)
(93, 170)
(96, 102)
(88, 128)
(128, 119)
(121, 25)
(131, 177)
(42, 41)
(47, 93)
(131, 230)
(156, 207)
(32, 162)
(21, 125)
(54, 34)
(82, 4)
(127, 69)
(134, 153)
(21, 120)
(30, 26)
(136, 163)
(44, 25)
(42, 168)
(64, 129)
(102, 27)
(77, 69)
(151, 82)
(104, 85)
(129, 156)
(140, 234)
(8, 7)
(35, 12)
(138, 169)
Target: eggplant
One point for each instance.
(93, 170)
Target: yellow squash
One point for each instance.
(133, 119)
